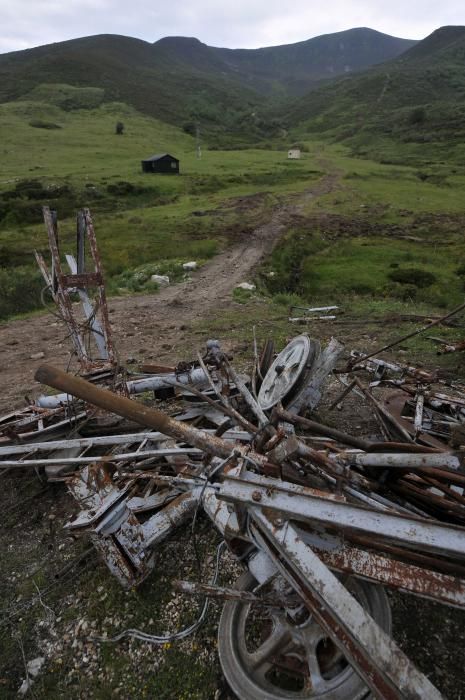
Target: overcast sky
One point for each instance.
(232, 23)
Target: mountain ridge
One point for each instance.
(270, 71)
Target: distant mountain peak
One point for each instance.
(179, 40)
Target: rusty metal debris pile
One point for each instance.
(321, 519)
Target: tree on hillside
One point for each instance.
(417, 115)
(119, 128)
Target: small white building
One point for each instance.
(293, 153)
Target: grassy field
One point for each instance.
(140, 219)
(386, 232)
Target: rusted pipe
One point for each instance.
(150, 417)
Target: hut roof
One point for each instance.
(159, 156)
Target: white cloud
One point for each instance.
(242, 23)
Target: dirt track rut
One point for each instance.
(155, 322)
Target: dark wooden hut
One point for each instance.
(161, 163)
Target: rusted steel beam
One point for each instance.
(59, 295)
(122, 406)
(304, 504)
(408, 556)
(389, 572)
(150, 368)
(89, 312)
(34, 462)
(380, 662)
(223, 408)
(342, 395)
(89, 227)
(393, 446)
(204, 589)
(383, 411)
(87, 279)
(162, 524)
(320, 429)
(247, 396)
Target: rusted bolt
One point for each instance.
(256, 496)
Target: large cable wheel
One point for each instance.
(282, 653)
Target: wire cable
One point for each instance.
(182, 634)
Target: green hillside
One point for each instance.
(416, 99)
(182, 81)
(68, 159)
(130, 71)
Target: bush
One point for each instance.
(20, 290)
(39, 124)
(301, 146)
(413, 276)
(288, 300)
(404, 292)
(242, 296)
(35, 190)
(122, 188)
(189, 128)
(417, 116)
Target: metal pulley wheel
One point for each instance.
(277, 653)
(287, 371)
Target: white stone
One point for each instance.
(192, 265)
(34, 666)
(246, 285)
(161, 280)
(33, 669)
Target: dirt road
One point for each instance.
(154, 323)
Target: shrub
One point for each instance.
(414, 276)
(417, 116)
(361, 288)
(189, 128)
(242, 296)
(288, 300)
(39, 124)
(35, 190)
(301, 146)
(404, 292)
(20, 290)
(122, 188)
